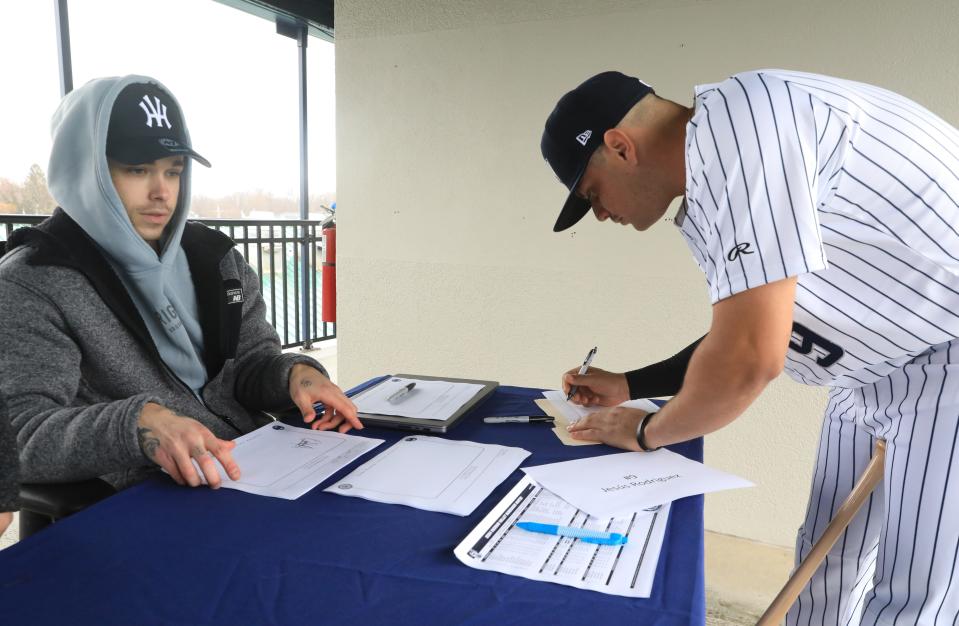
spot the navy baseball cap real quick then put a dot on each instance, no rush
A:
(576, 127)
(146, 124)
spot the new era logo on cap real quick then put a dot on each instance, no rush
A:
(598, 104)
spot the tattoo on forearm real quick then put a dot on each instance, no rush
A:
(148, 443)
(306, 382)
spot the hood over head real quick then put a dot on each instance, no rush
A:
(79, 179)
(78, 172)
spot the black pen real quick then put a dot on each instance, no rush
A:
(582, 370)
(518, 419)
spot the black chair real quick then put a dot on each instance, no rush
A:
(44, 504)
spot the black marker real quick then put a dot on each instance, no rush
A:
(518, 419)
(401, 393)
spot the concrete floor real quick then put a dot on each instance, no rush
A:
(719, 613)
(325, 353)
(742, 577)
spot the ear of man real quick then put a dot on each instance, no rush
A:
(640, 124)
(652, 134)
(619, 145)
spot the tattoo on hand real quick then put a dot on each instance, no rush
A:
(306, 382)
(148, 443)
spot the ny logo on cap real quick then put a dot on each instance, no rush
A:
(155, 112)
(584, 136)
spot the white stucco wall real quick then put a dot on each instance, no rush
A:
(447, 263)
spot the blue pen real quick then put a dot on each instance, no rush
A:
(583, 534)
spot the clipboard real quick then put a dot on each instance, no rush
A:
(425, 425)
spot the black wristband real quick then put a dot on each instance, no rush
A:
(641, 434)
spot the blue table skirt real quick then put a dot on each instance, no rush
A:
(158, 553)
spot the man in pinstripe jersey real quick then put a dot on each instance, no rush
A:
(824, 215)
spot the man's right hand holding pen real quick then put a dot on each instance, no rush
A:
(596, 387)
(600, 388)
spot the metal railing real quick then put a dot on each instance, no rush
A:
(275, 249)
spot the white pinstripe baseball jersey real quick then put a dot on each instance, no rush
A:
(849, 187)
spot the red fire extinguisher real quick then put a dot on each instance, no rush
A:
(329, 275)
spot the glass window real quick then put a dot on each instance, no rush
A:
(321, 103)
(236, 79)
(30, 75)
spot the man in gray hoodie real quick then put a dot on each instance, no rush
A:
(132, 338)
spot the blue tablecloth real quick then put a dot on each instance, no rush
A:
(158, 553)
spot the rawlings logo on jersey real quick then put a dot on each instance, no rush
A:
(738, 249)
(826, 351)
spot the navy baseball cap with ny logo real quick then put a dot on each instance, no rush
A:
(145, 125)
(576, 127)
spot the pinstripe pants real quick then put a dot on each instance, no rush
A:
(896, 562)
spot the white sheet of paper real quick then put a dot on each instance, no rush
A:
(432, 474)
(576, 412)
(628, 570)
(609, 485)
(285, 461)
(429, 399)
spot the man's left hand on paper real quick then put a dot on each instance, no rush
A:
(615, 427)
(308, 386)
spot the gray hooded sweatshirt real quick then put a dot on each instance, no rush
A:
(81, 354)
(161, 286)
